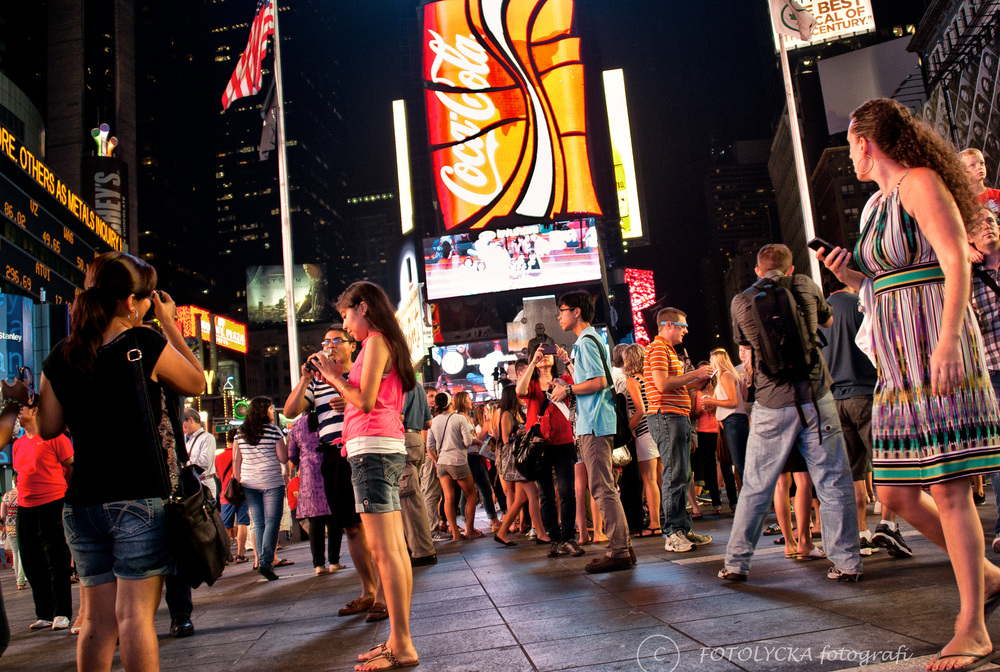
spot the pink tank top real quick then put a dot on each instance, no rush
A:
(384, 419)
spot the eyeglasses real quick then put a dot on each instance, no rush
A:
(334, 341)
(562, 309)
(682, 325)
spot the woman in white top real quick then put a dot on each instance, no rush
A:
(259, 452)
(729, 401)
(448, 442)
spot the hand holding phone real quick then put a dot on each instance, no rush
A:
(818, 243)
(548, 349)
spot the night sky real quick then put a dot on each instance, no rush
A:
(694, 75)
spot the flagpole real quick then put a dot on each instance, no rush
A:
(800, 162)
(283, 200)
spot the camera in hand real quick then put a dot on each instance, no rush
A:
(311, 363)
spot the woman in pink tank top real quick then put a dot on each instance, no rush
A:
(373, 436)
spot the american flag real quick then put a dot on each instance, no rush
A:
(245, 80)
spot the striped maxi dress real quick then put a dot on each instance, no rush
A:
(919, 438)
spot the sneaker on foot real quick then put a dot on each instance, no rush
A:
(554, 550)
(838, 575)
(60, 623)
(40, 624)
(678, 543)
(726, 575)
(571, 548)
(441, 536)
(892, 540)
(698, 539)
(532, 535)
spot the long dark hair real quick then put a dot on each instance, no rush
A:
(913, 144)
(112, 277)
(252, 429)
(382, 318)
(509, 402)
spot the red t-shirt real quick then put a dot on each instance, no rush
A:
(224, 470)
(555, 427)
(40, 473)
(991, 199)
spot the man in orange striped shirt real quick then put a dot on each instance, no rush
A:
(668, 415)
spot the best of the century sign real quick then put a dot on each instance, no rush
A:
(834, 19)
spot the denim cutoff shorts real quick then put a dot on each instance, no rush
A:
(375, 477)
(234, 515)
(118, 540)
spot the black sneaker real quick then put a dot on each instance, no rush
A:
(571, 548)
(892, 541)
(424, 561)
(554, 550)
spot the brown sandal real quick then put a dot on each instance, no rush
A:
(394, 662)
(377, 612)
(356, 606)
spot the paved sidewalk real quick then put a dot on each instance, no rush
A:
(484, 607)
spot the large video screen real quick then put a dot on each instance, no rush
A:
(475, 368)
(522, 257)
(266, 293)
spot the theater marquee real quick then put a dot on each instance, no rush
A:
(505, 110)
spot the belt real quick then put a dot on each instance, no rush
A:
(413, 431)
(921, 274)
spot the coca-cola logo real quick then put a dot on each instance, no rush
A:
(504, 98)
(464, 176)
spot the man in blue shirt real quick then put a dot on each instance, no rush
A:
(595, 424)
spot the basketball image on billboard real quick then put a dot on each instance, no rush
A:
(504, 92)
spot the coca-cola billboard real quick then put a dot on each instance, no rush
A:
(505, 112)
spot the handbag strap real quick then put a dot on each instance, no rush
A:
(604, 361)
(986, 278)
(134, 357)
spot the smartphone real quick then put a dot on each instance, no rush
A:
(817, 243)
(548, 349)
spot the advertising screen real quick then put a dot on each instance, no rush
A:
(475, 368)
(16, 345)
(508, 259)
(266, 293)
(228, 334)
(834, 19)
(504, 93)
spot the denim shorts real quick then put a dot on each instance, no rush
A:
(118, 540)
(375, 477)
(234, 515)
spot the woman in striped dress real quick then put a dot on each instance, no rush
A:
(935, 419)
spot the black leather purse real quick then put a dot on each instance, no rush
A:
(194, 527)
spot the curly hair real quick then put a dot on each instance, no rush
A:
(913, 144)
(252, 429)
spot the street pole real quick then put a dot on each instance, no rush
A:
(800, 162)
(286, 218)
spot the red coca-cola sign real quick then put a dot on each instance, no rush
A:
(505, 111)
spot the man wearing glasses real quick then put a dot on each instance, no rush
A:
(314, 392)
(595, 424)
(668, 415)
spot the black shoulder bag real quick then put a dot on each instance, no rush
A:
(623, 433)
(194, 527)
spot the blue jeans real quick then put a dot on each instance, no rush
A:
(736, 430)
(774, 433)
(266, 507)
(562, 458)
(672, 433)
(482, 481)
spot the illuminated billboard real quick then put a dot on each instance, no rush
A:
(475, 368)
(834, 19)
(504, 92)
(509, 259)
(642, 294)
(266, 293)
(228, 334)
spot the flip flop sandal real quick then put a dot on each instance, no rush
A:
(394, 662)
(814, 554)
(240, 559)
(284, 563)
(365, 657)
(476, 535)
(976, 662)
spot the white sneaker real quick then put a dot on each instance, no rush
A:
(61, 623)
(698, 539)
(40, 624)
(678, 543)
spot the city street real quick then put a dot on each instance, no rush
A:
(484, 607)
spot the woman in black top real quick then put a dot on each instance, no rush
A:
(113, 515)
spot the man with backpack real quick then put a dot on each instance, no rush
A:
(778, 318)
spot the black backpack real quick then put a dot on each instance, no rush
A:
(787, 349)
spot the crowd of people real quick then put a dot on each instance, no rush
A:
(891, 395)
